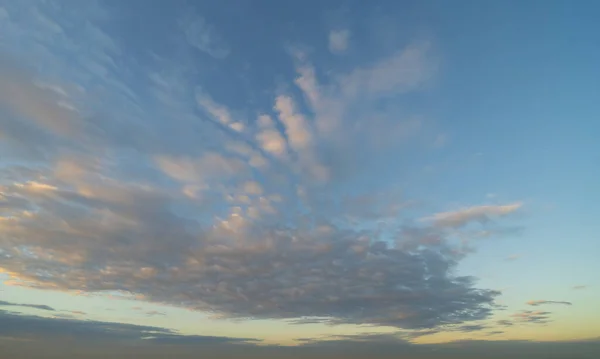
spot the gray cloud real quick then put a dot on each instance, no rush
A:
(529, 316)
(28, 326)
(338, 276)
(41, 328)
(536, 303)
(577, 287)
(471, 328)
(504, 322)
(38, 338)
(35, 306)
(203, 36)
(334, 274)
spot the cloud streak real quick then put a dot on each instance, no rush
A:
(464, 216)
(203, 36)
(536, 303)
(35, 306)
(530, 316)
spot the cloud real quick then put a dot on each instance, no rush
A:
(30, 102)
(338, 40)
(471, 328)
(41, 328)
(296, 128)
(513, 257)
(421, 333)
(261, 221)
(27, 336)
(535, 303)
(219, 112)
(349, 128)
(463, 216)
(270, 139)
(529, 316)
(339, 275)
(35, 306)
(577, 287)
(506, 323)
(153, 313)
(203, 36)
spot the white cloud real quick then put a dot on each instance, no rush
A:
(221, 113)
(269, 138)
(296, 128)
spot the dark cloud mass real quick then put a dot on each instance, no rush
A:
(41, 328)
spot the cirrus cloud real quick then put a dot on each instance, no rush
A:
(464, 216)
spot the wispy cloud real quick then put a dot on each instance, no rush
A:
(338, 40)
(203, 36)
(529, 316)
(471, 328)
(35, 306)
(535, 303)
(153, 313)
(463, 216)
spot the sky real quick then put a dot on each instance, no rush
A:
(274, 179)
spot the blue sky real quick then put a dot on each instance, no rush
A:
(300, 173)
